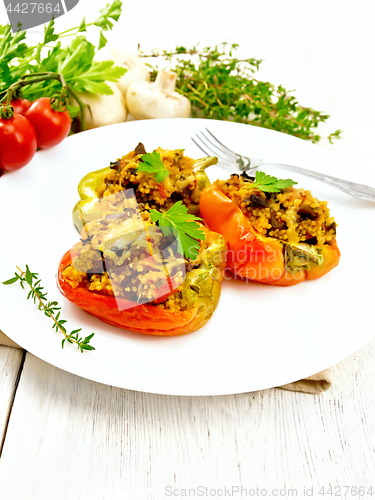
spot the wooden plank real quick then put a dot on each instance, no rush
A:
(84, 440)
(10, 364)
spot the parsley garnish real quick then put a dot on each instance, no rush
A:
(189, 232)
(270, 184)
(152, 164)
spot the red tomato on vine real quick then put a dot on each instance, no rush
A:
(51, 126)
(20, 106)
(17, 142)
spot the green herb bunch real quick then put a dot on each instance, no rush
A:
(74, 61)
(222, 87)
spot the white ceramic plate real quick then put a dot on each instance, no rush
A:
(259, 337)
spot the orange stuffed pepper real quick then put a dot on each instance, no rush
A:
(279, 238)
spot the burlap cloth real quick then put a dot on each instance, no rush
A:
(315, 384)
(4, 340)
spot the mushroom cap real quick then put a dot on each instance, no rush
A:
(146, 101)
(136, 68)
(105, 109)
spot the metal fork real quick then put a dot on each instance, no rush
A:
(234, 162)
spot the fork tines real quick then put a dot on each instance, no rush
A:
(210, 145)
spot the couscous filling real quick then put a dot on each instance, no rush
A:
(180, 184)
(293, 216)
(125, 255)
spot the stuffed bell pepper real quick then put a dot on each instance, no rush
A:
(159, 179)
(275, 233)
(144, 270)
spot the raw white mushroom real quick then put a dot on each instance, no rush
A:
(105, 109)
(157, 100)
(136, 68)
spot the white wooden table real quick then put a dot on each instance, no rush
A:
(63, 437)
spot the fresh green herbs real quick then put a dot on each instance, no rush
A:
(269, 184)
(50, 309)
(74, 61)
(153, 164)
(222, 87)
(108, 13)
(182, 223)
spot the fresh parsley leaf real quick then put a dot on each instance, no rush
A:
(73, 110)
(82, 26)
(270, 184)
(78, 56)
(49, 32)
(10, 50)
(93, 80)
(152, 164)
(189, 232)
(110, 11)
(74, 61)
(102, 41)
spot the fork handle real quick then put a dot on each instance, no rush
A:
(357, 190)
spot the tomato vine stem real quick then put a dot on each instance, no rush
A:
(7, 110)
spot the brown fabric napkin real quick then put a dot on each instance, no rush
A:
(4, 340)
(315, 384)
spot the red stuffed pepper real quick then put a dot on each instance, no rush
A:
(109, 276)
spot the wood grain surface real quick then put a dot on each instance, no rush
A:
(86, 440)
(10, 365)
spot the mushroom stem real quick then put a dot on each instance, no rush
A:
(166, 80)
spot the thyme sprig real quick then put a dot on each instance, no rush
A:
(50, 308)
(223, 87)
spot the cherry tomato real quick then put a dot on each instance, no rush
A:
(20, 106)
(17, 142)
(51, 126)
